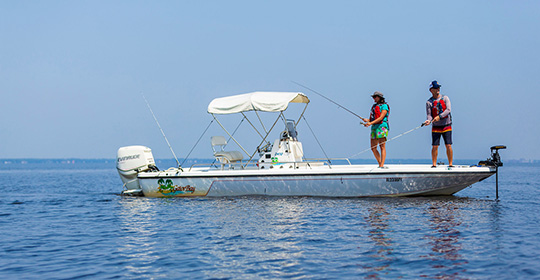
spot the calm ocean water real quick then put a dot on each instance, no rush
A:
(67, 221)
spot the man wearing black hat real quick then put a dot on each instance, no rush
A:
(438, 114)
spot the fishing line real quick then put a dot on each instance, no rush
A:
(404, 133)
(162, 133)
(340, 106)
(197, 142)
(327, 158)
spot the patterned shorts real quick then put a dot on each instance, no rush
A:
(379, 132)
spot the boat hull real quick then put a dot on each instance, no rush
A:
(347, 182)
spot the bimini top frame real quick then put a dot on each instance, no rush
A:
(256, 101)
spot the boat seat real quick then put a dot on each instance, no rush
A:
(231, 156)
(220, 154)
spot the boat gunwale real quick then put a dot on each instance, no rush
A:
(317, 173)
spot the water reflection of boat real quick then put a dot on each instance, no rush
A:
(281, 168)
(378, 233)
(445, 239)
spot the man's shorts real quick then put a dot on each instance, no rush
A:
(378, 132)
(444, 131)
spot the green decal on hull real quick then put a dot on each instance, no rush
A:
(167, 188)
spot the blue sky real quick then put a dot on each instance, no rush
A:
(72, 72)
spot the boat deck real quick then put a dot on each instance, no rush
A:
(313, 169)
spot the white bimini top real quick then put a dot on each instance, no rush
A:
(265, 101)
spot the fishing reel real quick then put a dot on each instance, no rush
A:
(495, 159)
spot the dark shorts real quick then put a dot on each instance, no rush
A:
(436, 134)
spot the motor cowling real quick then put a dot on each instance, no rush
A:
(130, 161)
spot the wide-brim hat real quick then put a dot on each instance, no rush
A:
(379, 94)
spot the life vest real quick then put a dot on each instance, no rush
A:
(376, 113)
(437, 107)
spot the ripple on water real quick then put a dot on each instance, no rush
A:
(73, 225)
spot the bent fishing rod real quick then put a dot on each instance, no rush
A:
(162, 133)
(402, 134)
(340, 106)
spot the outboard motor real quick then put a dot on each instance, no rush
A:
(130, 161)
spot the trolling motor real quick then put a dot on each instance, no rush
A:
(494, 161)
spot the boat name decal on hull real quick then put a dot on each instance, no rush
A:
(166, 187)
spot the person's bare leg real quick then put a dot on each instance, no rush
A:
(450, 154)
(382, 144)
(434, 154)
(374, 143)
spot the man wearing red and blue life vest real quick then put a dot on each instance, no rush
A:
(438, 113)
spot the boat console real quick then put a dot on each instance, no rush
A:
(285, 152)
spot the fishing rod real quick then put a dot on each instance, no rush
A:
(162, 133)
(402, 134)
(340, 106)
